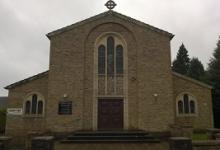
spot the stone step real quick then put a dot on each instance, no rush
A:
(108, 137)
(110, 133)
(111, 141)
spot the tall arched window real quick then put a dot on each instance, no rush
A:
(101, 59)
(192, 107)
(180, 106)
(186, 105)
(34, 105)
(27, 107)
(110, 51)
(110, 55)
(119, 59)
(40, 107)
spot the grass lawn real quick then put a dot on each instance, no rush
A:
(199, 136)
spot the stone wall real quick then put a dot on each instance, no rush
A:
(202, 93)
(206, 145)
(149, 72)
(113, 146)
(18, 126)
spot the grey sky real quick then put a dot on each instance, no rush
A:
(24, 48)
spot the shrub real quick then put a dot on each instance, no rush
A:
(2, 120)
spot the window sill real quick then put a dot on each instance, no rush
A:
(187, 115)
(33, 116)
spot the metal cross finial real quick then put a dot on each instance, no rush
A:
(110, 4)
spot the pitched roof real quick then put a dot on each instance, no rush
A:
(107, 13)
(37, 76)
(3, 102)
(192, 80)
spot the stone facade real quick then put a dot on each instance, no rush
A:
(203, 118)
(20, 126)
(150, 87)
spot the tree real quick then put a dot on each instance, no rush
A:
(2, 120)
(181, 63)
(196, 69)
(214, 80)
(214, 69)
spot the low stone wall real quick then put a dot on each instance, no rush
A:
(206, 145)
(5, 143)
(112, 146)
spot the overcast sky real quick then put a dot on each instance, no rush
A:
(24, 48)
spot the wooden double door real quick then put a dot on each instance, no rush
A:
(110, 114)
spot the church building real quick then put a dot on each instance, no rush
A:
(109, 72)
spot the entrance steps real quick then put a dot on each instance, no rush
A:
(110, 137)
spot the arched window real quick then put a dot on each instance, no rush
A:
(111, 58)
(34, 105)
(101, 59)
(180, 107)
(40, 107)
(192, 107)
(27, 107)
(119, 59)
(114, 62)
(186, 105)
(110, 55)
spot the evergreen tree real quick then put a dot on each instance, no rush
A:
(214, 80)
(214, 69)
(196, 69)
(181, 63)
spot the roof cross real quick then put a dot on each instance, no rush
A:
(110, 4)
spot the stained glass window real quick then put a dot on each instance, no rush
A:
(101, 59)
(180, 107)
(40, 107)
(27, 107)
(192, 107)
(119, 59)
(110, 55)
(34, 104)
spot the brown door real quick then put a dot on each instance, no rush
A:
(110, 114)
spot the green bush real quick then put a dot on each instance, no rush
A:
(200, 136)
(2, 120)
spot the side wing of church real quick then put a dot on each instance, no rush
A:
(108, 72)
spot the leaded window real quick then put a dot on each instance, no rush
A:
(110, 62)
(110, 55)
(34, 105)
(101, 59)
(192, 107)
(186, 105)
(119, 59)
(180, 106)
(40, 107)
(27, 107)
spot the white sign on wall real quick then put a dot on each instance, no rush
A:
(14, 111)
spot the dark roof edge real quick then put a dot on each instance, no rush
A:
(37, 76)
(61, 30)
(192, 80)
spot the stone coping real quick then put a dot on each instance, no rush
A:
(213, 130)
(179, 138)
(206, 143)
(5, 138)
(46, 138)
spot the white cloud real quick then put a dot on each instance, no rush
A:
(24, 49)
